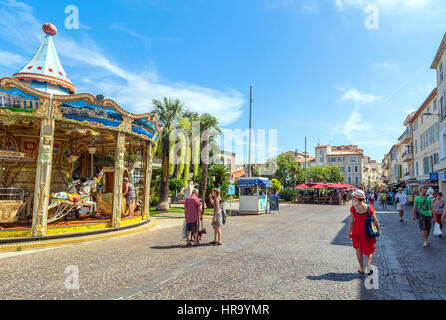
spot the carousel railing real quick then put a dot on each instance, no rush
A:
(12, 203)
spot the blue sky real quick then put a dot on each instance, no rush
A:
(315, 68)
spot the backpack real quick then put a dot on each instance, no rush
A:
(223, 213)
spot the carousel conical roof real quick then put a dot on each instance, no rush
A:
(45, 66)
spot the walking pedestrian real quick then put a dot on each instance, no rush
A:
(383, 197)
(344, 198)
(217, 220)
(390, 197)
(401, 200)
(423, 210)
(192, 212)
(372, 199)
(437, 210)
(357, 233)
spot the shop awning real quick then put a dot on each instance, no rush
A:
(254, 182)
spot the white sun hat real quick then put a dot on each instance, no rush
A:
(359, 194)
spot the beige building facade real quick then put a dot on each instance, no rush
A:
(354, 165)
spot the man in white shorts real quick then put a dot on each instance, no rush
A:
(401, 200)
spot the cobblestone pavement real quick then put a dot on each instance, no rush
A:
(302, 253)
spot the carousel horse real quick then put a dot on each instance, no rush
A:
(65, 202)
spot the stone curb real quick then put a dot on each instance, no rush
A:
(66, 241)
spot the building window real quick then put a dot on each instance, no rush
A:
(332, 160)
(321, 160)
(436, 158)
(426, 165)
(416, 146)
(442, 109)
(416, 168)
(428, 109)
(437, 131)
(444, 144)
(356, 169)
(341, 159)
(349, 179)
(321, 152)
(435, 104)
(356, 180)
(352, 159)
(441, 72)
(415, 126)
(342, 169)
(349, 169)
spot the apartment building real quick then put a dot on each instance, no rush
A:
(438, 65)
(392, 167)
(309, 161)
(349, 158)
(375, 175)
(426, 142)
(407, 148)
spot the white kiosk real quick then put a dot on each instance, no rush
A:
(253, 194)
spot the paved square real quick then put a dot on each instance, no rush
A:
(302, 253)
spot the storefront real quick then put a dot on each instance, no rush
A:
(253, 195)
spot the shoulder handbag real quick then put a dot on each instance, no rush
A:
(418, 209)
(371, 228)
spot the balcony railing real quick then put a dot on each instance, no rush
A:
(407, 136)
(408, 156)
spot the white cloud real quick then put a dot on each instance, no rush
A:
(134, 91)
(11, 59)
(359, 97)
(386, 5)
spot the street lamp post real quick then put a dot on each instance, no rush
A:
(295, 173)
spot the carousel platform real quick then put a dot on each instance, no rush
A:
(21, 232)
(29, 243)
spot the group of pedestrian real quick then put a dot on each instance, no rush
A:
(425, 209)
(194, 217)
(428, 208)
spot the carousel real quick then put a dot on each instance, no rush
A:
(67, 160)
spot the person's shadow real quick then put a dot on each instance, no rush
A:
(338, 277)
(178, 246)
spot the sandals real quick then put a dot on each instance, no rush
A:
(189, 244)
(212, 243)
(359, 270)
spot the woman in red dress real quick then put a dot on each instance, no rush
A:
(362, 244)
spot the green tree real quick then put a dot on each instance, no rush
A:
(287, 167)
(316, 174)
(220, 173)
(175, 185)
(276, 185)
(208, 127)
(333, 174)
(167, 114)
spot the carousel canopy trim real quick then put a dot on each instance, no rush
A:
(7, 155)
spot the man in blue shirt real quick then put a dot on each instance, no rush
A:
(391, 195)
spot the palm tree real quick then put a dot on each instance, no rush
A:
(208, 123)
(167, 113)
(220, 173)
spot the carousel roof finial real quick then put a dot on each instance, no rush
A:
(45, 72)
(50, 29)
